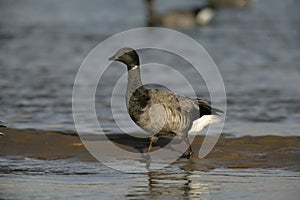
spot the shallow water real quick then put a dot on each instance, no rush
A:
(36, 179)
(44, 43)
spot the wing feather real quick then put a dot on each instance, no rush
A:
(180, 110)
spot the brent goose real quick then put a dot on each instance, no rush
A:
(184, 18)
(161, 112)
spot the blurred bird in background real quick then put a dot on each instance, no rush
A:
(190, 17)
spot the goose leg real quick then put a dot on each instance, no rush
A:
(152, 140)
(190, 152)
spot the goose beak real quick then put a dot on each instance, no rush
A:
(113, 58)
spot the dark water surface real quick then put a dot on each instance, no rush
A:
(42, 44)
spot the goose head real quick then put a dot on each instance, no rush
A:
(127, 56)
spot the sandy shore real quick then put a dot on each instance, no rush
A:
(243, 152)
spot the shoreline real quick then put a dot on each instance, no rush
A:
(243, 152)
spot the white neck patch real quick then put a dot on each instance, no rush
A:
(135, 67)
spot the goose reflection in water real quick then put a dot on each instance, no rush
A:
(167, 185)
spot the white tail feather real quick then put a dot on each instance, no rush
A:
(203, 121)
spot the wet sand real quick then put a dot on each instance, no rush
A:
(230, 152)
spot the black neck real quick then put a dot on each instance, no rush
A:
(134, 81)
(133, 65)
